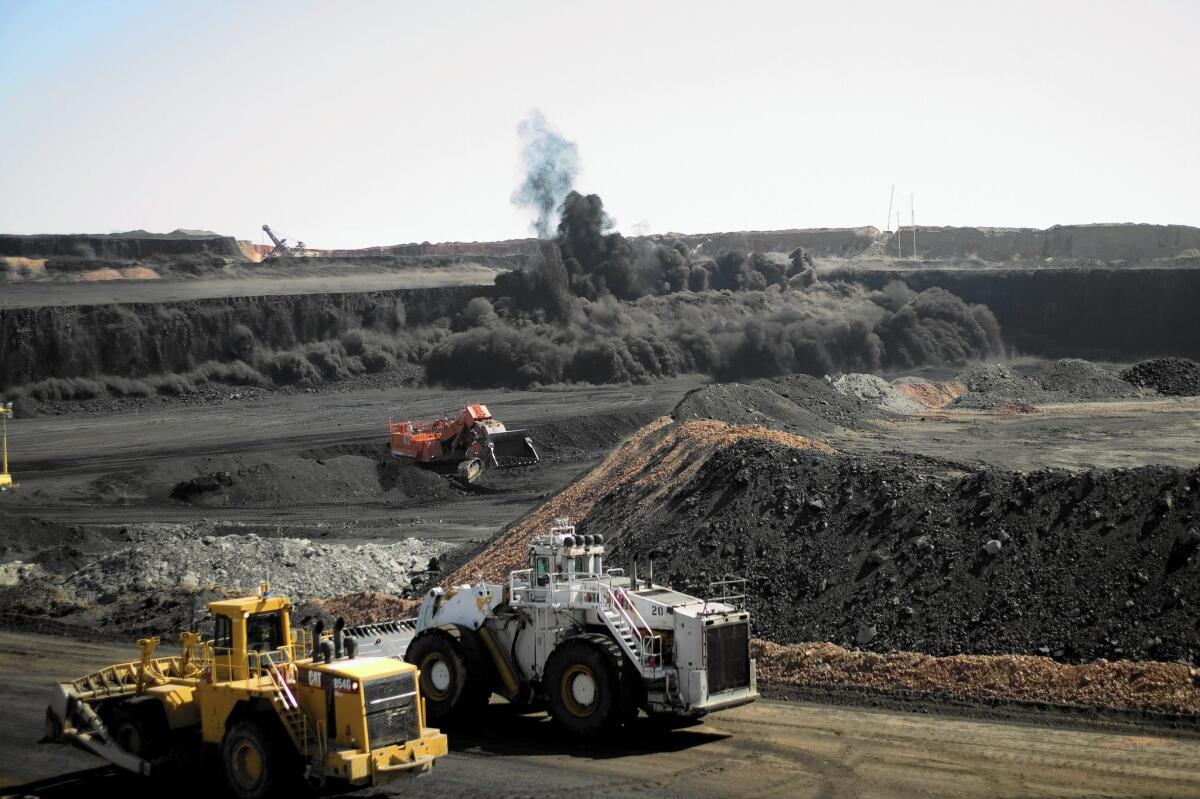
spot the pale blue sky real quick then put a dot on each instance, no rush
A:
(354, 123)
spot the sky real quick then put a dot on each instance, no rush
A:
(351, 124)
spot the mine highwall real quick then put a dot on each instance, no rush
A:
(139, 339)
(1118, 314)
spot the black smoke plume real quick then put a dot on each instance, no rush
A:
(551, 163)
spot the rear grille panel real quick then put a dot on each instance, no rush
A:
(728, 652)
(391, 705)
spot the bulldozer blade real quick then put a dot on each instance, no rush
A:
(511, 448)
(387, 639)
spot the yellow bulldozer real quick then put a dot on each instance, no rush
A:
(274, 703)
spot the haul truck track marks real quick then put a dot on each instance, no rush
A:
(272, 702)
(597, 645)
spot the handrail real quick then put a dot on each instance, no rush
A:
(729, 585)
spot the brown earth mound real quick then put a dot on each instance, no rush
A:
(931, 394)
(1161, 687)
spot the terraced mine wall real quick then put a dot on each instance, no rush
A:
(1097, 242)
(1097, 313)
(819, 242)
(119, 247)
(136, 340)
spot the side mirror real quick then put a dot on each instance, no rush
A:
(543, 579)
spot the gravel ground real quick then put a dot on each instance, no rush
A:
(182, 556)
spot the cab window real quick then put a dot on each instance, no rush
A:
(223, 633)
(264, 632)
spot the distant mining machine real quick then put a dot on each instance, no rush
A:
(467, 445)
(281, 245)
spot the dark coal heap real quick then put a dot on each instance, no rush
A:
(601, 308)
(1172, 376)
(887, 554)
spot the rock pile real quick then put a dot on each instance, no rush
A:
(797, 403)
(1171, 376)
(878, 392)
(1066, 380)
(1072, 379)
(158, 558)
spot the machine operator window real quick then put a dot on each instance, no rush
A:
(264, 632)
(541, 568)
(223, 633)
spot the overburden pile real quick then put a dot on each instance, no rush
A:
(885, 554)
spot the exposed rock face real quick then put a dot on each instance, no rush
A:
(117, 246)
(1118, 314)
(265, 332)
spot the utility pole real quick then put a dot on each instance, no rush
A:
(6, 481)
(899, 240)
(913, 210)
(888, 222)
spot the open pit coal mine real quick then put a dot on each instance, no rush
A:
(872, 550)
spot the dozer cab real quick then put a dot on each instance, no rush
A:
(273, 703)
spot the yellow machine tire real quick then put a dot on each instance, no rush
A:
(583, 686)
(254, 760)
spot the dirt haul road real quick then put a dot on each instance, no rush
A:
(765, 749)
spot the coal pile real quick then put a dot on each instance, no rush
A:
(1177, 377)
(887, 554)
(796, 403)
(1077, 379)
(335, 479)
(1065, 380)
